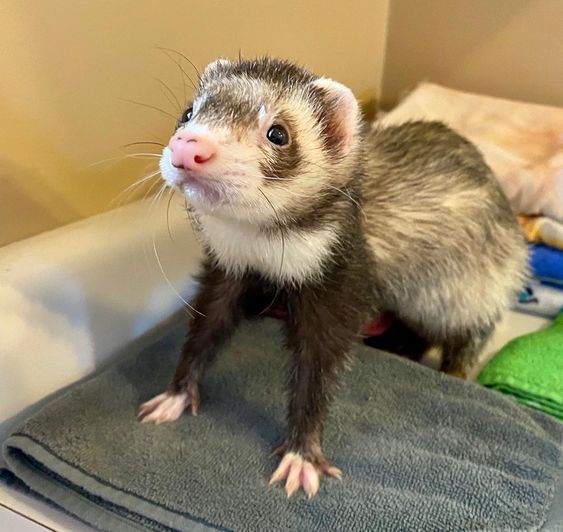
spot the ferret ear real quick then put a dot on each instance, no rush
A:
(218, 66)
(220, 63)
(340, 114)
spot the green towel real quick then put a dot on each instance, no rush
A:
(530, 368)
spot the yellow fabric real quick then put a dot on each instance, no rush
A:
(542, 229)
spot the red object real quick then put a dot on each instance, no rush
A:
(379, 324)
(276, 312)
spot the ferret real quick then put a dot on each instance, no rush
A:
(298, 204)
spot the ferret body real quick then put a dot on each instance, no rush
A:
(297, 205)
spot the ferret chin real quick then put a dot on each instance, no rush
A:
(296, 207)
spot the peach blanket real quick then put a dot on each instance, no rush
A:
(521, 142)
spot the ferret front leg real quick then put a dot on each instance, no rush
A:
(218, 311)
(320, 338)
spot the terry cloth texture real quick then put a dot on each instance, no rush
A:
(419, 450)
(531, 369)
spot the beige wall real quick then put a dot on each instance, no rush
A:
(65, 64)
(507, 48)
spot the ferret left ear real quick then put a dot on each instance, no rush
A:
(340, 114)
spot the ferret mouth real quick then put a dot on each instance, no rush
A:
(204, 189)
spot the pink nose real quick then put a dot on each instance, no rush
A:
(190, 151)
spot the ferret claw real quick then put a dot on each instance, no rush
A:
(168, 407)
(302, 473)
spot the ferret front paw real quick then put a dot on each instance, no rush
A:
(169, 406)
(302, 473)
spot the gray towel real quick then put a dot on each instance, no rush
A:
(419, 450)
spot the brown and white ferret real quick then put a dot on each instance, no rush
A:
(297, 204)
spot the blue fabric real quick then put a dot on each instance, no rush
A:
(546, 264)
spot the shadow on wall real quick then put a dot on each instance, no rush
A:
(67, 66)
(504, 49)
(23, 214)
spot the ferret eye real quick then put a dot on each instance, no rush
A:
(278, 135)
(187, 116)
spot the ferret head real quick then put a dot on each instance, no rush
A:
(262, 140)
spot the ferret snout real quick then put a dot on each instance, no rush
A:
(189, 151)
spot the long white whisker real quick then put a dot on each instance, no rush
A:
(141, 181)
(124, 196)
(157, 197)
(168, 280)
(326, 184)
(283, 245)
(170, 196)
(349, 197)
(293, 193)
(150, 190)
(155, 200)
(128, 156)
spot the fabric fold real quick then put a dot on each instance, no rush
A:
(542, 230)
(530, 368)
(419, 450)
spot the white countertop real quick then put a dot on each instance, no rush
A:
(72, 297)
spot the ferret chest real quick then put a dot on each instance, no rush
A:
(293, 256)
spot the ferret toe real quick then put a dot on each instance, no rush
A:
(164, 408)
(301, 473)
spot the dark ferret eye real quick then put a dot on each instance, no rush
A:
(187, 116)
(278, 135)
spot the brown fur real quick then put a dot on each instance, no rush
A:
(421, 228)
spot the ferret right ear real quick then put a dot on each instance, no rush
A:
(219, 63)
(340, 114)
(218, 66)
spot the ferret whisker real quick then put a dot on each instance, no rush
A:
(173, 288)
(179, 65)
(185, 57)
(282, 234)
(142, 180)
(170, 196)
(160, 265)
(155, 199)
(140, 142)
(149, 191)
(126, 156)
(271, 178)
(131, 188)
(322, 168)
(149, 213)
(167, 91)
(291, 192)
(143, 154)
(170, 101)
(149, 106)
(350, 198)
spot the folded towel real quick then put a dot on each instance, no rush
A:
(419, 450)
(546, 264)
(521, 142)
(530, 368)
(540, 300)
(542, 230)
